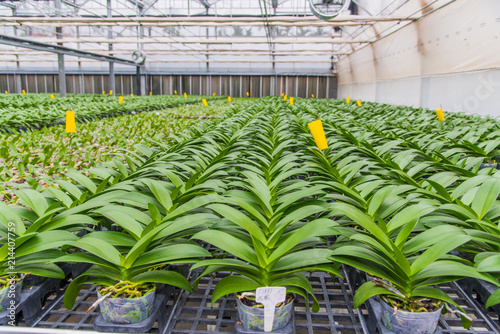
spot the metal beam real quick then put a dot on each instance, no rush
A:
(245, 52)
(212, 40)
(40, 46)
(202, 20)
(5, 4)
(183, 60)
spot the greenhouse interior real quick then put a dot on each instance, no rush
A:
(259, 166)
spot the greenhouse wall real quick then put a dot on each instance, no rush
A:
(448, 59)
(233, 85)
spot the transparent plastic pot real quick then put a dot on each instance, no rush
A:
(127, 310)
(403, 322)
(253, 317)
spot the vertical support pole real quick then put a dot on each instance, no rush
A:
(317, 87)
(143, 83)
(60, 57)
(261, 93)
(327, 87)
(62, 74)
(138, 80)
(17, 78)
(112, 83)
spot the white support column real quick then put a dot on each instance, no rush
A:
(317, 87)
(327, 87)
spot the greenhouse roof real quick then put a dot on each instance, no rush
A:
(200, 36)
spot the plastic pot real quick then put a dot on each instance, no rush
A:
(403, 322)
(127, 310)
(253, 317)
(15, 295)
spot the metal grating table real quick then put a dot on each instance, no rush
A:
(192, 313)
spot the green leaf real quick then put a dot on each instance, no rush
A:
(161, 193)
(229, 243)
(239, 219)
(34, 200)
(41, 269)
(83, 180)
(233, 284)
(315, 228)
(493, 299)
(485, 197)
(171, 253)
(43, 241)
(163, 276)
(362, 219)
(73, 289)
(368, 290)
(437, 250)
(121, 216)
(409, 214)
(99, 248)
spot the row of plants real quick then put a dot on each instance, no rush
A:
(27, 158)
(19, 112)
(256, 187)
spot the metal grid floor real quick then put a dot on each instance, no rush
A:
(57, 316)
(192, 313)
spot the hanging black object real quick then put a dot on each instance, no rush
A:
(328, 9)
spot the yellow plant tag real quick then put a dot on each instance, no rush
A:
(204, 102)
(440, 114)
(6, 92)
(185, 95)
(229, 98)
(150, 93)
(348, 100)
(52, 96)
(318, 133)
(120, 100)
(282, 94)
(70, 121)
(132, 95)
(103, 93)
(248, 94)
(312, 95)
(358, 102)
(111, 92)
(285, 97)
(213, 94)
(291, 101)
(175, 92)
(24, 92)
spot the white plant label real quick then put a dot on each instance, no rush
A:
(269, 297)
